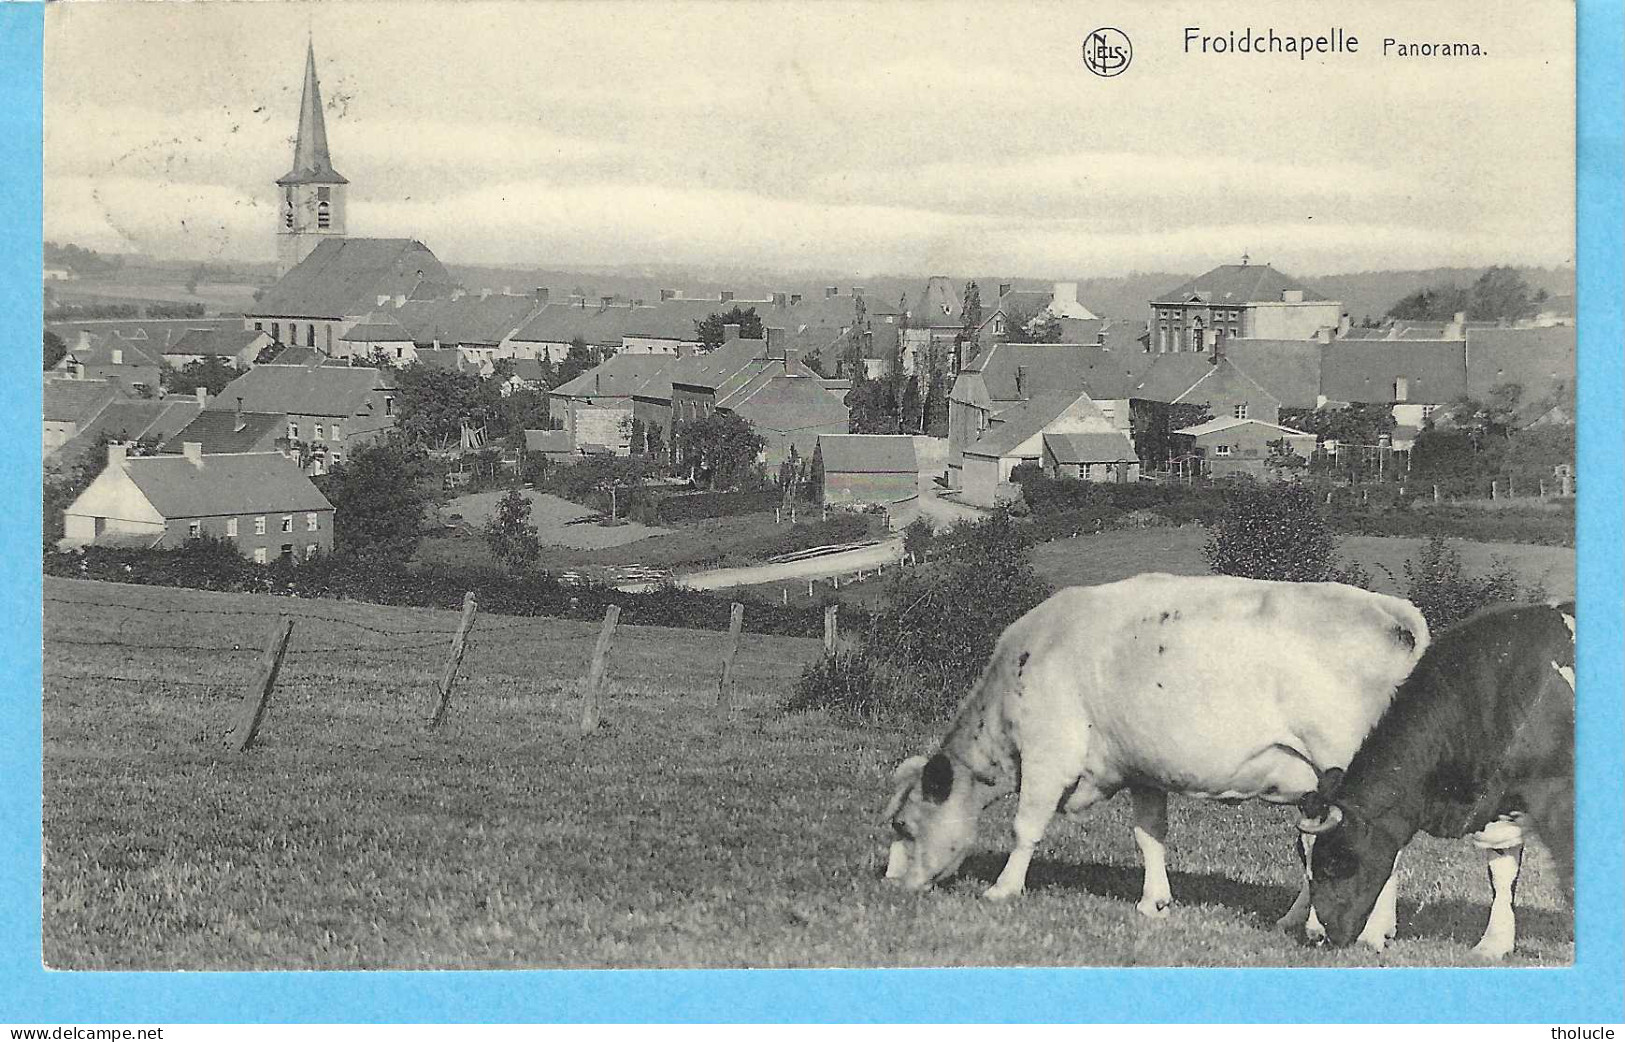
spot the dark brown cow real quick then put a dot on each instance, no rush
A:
(1478, 742)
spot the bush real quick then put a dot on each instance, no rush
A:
(922, 651)
(699, 506)
(1439, 586)
(1275, 531)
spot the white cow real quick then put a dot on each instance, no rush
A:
(1214, 686)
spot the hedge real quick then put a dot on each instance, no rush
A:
(206, 567)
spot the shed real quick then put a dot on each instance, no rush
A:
(861, 469)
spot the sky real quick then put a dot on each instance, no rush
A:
(863, 139)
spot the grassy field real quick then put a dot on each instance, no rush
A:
(350, 838)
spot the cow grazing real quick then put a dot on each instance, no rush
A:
(1214, 686)
(1479, 742)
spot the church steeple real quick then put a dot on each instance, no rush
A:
(312, 193)
(311, 162)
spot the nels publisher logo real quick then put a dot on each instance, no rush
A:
(1107, 52)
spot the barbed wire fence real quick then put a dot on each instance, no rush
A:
(325, 635)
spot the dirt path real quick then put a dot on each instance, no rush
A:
(884, 553)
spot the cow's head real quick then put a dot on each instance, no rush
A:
(933, 819)
(1352, 858)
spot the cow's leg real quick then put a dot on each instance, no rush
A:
(1383, 923)
(1501, 932)
(1150, 835)
(1041, 794)
(1301, 916)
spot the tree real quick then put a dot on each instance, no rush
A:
(209, 373)
(934, 407)
(55, 349)
(721, 446)
(510, 535)
(970, 314)
(269, 352)
(1500, 293)
(431, 405)
(1275, 531)
(1433, 304)
(576, 361)
(709, 330)
(378, 498)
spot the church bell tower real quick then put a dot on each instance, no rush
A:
(310, 197)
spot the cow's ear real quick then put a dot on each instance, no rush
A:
(938, 779)
(1331, 782)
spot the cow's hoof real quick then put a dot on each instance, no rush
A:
(1376, 945)
(1154, 908)
(1494, 950)
(1314, 933)
(997, 894)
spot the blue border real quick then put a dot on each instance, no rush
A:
(1590, 991)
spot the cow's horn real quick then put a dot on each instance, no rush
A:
(1314, 826)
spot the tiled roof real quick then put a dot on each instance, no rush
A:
(787, 403)
(528, 369)
(868, 453)
(620, 377)
(345, 277)
(1541, 360)
(76, 401)
(249, 483)
(306, 357)
(1238, 284)
(224, 342)
(1091, 448)
(937, 305)
(547, 441)
(1171, 375)
(470, 319)
(379, 327)
(1288, 369)
(1020, 422)
(220, 430)
(152, 334)
(1365, 370)
(561, 323)
(308, 391)
(131, 421)
(98, 351)
(1057, 367)
(441, 358)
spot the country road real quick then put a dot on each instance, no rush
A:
(884, 553)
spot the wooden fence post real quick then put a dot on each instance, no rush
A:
(725, 686)
(459, 642)
(832, 627)
(595, 673)
(252, 711)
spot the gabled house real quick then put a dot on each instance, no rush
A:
(130, 420)
(330, 410)
(1539, 360)
(70, 406)
(235, 347)
(597, 407)
(935, 320)
(135, 366)
(379, 332)
(788, 410)
(1230, 446)
(480, 325)
(258, 501)
(1017, 436)
(1091, 457)
(221, 432)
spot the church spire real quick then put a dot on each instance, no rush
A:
(311, 163)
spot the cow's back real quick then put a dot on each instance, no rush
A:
(1201, 683)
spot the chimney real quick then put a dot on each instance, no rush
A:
(202, 395)
(1343, 324)
(193, 451)
(116, 454)
(775, 342)
(606, 301)
(668, 294)
(541, 295)
(507, 291)
(1323, 335)
(78, 370)
(1004, 289)
(578, 299)
(118, 356)
(730, 331)
(459, 293)
(400, 300)
(485, 293)
(597, 383)
(726, 295)
(383, 298)
(781, 299)
(84, 339)
(831, 291)
(1457, 328)
(1021, 379)
(857, 291)
(239, 415)
(795, 298)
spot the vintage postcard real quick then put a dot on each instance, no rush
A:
(713, 485)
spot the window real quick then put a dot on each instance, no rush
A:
(231, 527)
(1402, 388)
(1427, 412)
(276, 331)
(194, 529)
(310, 551)
(287, 522)
(310, 522)
(310, 334)
(293, 431)
(259, 525)
(389, 406)
(1221, 450)
(259, 555)
(399, 353)
(324, 215)
(335, 437)
(259, 327)
(287, 552)
(1240, 411)
(318, 432)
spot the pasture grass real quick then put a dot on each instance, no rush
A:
(350, 838)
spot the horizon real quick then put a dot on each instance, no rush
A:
(767, 143)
